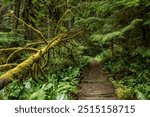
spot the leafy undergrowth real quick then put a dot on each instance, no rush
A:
(57, 86)
(130, 74)
(10, 39)
(59, 82)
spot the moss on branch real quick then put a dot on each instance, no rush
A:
(20, 70)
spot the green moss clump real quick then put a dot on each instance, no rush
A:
(125, 93)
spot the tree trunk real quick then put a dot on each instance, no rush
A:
(3, 11)
(146, 35)
(22, 69)
(17, 4)
(26, 14)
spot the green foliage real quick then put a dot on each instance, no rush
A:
(115, 32)
(117, 26)
(143, 91)
(6, 1)
(104, 55)
(125, 93)
(130, 4)
(59, 86)
(10, 39)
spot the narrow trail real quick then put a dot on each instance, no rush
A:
(95, 84)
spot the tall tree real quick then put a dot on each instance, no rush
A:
(26, 14)
(17, 4)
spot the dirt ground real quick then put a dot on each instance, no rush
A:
(95, 84)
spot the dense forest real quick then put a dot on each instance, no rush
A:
(45, 45)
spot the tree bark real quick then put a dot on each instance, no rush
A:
(26, 14)
(22, 69)
(146, 35)
(17, 4)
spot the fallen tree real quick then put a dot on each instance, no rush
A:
(23, 68)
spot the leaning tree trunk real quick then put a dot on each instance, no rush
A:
(23, 68)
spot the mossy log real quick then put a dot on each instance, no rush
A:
(23, 68)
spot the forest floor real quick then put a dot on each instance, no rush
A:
(95, 84)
